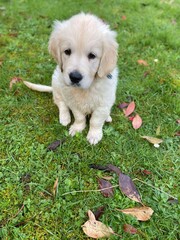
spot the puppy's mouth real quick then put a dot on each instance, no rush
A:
(76, 85)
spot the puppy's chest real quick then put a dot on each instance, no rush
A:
(84, 101)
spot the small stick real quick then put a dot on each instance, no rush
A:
(136, 179)
(84, 191)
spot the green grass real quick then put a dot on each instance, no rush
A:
(29, 123)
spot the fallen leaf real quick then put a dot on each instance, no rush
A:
(55, 187)
(96, 229)
(129, 229)
(153, 140)
(130, 108)
(158, 130)
(128, 188)
(14, 80)
(99, 167)
(146, 172)
(55, 144)
(142, 62)
(123, 17)
(123, 105)
(108, 192)
(107, 177)
(141, 213)
(137, 122)
(146, 74)
(177, 134)
(173, 201)
(114, 169)
(131, 118)
(99, 212)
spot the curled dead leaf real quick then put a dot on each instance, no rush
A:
(54, 145)
(14, 80)
(141, 213)
(137, 122)
(96, 229)
(55, 187)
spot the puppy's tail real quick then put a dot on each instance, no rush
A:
(38, 87)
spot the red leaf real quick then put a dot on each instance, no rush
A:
(131, 118)
(146, 172)
(129, 229)
(142, 62)
(130, 108)
(137, 122)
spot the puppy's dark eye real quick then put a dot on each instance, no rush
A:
(67, 52)
(91, 56)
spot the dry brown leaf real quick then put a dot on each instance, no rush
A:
(129, 229)
(14, 80)
(105, 187)
(141, 213)
(128, 188)
(130, 109)
(142, 62)
(96, 229)
(55, 187)
(153, 140)
(99, 212)
(137, 122)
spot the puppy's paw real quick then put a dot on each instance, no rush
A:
(94, 136)
(76, 128)
(109, 119)
(65, 119)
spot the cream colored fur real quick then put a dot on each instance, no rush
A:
(81, 35)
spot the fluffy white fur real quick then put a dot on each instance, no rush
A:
(84, 44)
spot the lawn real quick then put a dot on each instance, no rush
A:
(29, 207)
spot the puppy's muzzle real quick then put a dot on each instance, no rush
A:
(75, 77)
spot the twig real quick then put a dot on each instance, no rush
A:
(84, 191)
(16, 213)
(136, 179)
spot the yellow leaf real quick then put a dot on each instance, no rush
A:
(141, 213)
(153, 140)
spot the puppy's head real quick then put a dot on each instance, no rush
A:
(84, 48)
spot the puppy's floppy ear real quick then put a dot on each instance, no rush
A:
(55, 41)
(110, 53)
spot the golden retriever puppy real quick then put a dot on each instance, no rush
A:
(85, 79)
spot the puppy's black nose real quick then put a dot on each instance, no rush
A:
(75, 77)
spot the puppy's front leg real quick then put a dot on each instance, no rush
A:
(79, 123)
(98, 117)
